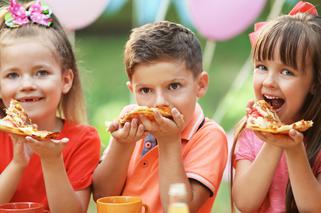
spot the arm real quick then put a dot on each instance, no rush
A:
(171, 170)
(9, 180)
(257, 174)
(305, 186)
(10, 177)
(110, 175)
(61, 195)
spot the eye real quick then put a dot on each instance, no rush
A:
(145, 90)
(12, 75)
(260, 67)
(287, 72)
(174, 86)
(42, 73)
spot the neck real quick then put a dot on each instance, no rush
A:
(54, 124)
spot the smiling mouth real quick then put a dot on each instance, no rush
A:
(27, 100)
(274, 101)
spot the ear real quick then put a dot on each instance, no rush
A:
(202, 84)
(67, 80)
(130, 86)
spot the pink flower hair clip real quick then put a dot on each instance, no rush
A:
(17, 15)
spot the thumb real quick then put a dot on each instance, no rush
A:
(296, 135)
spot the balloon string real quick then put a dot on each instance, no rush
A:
(208, 54)
(243, 73)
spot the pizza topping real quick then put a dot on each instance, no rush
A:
(262, 117)
(18, 122)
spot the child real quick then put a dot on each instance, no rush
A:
(164, 65)
(38, 69)
(284, 171)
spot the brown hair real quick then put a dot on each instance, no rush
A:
(62, 49)
(296, 39)
(163, 41)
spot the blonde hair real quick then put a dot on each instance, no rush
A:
(62, 49)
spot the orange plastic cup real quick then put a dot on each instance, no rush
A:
(116, 204)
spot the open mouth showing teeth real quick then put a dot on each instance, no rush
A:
(275, 102)
(29, 99)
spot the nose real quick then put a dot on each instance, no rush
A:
(27, 83)
(160, 99)
(270, 80)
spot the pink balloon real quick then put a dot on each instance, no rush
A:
(77, 14)
(223, 19)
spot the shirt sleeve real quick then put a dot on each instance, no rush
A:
(207, 156)
(247, 146)
(83, 158)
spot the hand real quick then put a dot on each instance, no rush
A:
(21, 151)
(284, 141)
(129, 133)
(48, 149)
(164, 128)
(249, 106)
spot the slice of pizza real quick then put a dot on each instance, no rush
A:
(18, 122)
(147, 112)
(262, 117)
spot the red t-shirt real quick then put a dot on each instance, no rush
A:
(81, 156)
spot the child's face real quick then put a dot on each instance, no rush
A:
(169, 83)
(30, 73)
(283, 87)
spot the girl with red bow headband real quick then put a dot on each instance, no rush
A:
(282, 172)
(38, 69)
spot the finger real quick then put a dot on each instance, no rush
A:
(133, 128)
(178, 117)
(146, 123)
(113, 126)
(250, 103)
(31, 139)
(296, 135)
(122, 132)
(140, 131)
(63, 140)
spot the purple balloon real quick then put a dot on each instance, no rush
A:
(77, 14)
(223, 19)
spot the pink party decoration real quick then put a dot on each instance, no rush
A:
(77, 14)
(223, 19)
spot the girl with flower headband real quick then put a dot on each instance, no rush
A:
(282, 173)
(38, 69)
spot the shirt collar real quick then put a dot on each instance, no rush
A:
(194, 123)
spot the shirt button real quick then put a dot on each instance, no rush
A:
(148, 145)
(145, 164)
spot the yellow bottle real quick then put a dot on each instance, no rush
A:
(177, 198)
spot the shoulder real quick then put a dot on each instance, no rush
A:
(80, 133)
(209, 138)
(211, 131)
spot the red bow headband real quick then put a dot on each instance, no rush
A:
(300, 7)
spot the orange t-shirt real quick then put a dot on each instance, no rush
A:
(81, 156)
(204, 153)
